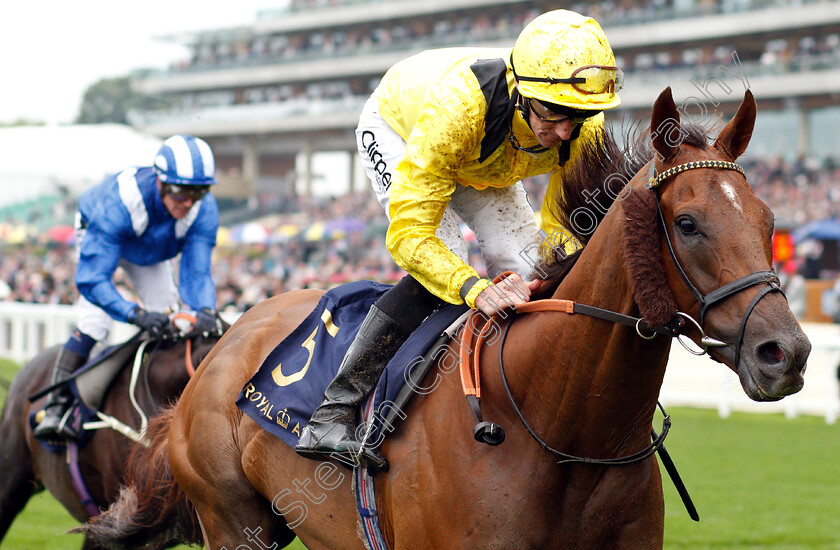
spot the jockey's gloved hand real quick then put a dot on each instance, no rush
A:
(206, 322)
(155, 323)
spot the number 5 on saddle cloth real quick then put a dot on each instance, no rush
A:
(290, 383)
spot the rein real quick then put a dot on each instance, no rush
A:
(493, 434)
(191, 319)
(654, 446)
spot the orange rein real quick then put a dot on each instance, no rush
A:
(493, 434)
(473, 340)
(188, 354)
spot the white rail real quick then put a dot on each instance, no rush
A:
(700, 382)
(26, 329)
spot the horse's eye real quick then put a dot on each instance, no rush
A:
(687, 226)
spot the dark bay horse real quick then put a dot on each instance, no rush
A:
(26, 467)
(696, 241)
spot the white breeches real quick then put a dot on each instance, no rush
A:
(501, 218)
(153, 284)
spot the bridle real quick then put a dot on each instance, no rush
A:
(716, 296)
(493, 434)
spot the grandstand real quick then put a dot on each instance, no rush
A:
(292, 83)
(270, 95)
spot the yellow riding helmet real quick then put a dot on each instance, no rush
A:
(563, 57)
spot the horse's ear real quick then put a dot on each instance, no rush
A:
(735, 136)
(665, 128)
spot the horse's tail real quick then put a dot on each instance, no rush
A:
(151, 509)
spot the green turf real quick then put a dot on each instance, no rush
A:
(758, 481)
(42, 525)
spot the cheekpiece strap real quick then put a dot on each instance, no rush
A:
(719, 164)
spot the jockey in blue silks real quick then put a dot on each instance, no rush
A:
(139, 219)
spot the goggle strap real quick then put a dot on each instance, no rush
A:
(549, 80)
(575, 80)
(534, 149)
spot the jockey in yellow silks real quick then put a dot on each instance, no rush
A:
(450, 134)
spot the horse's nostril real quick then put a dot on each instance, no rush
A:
(771, 353)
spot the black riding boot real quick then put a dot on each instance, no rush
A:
(54, 424)
(333, 424)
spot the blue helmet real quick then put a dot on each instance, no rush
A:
(185, 160)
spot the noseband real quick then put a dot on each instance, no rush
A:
(718, 295)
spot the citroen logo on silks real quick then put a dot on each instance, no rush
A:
(309, 344)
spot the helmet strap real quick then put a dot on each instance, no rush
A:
(523, 107)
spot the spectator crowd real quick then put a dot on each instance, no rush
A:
(215, 50)
(246, 274)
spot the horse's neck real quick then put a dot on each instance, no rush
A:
(598, 278)
(602, 370)
(168, 370)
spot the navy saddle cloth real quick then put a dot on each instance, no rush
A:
(290, 383)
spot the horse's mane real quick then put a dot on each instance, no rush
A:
(592, 182)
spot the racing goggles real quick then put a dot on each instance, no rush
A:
(549, 112)
(589, 79)
(183, 193)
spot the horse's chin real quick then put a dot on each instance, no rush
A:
(770, 366)
(753, 390)
(762, 381)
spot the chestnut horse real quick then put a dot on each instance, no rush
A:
(587, 387)
(26, 467)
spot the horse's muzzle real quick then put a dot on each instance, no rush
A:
(774, 368)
